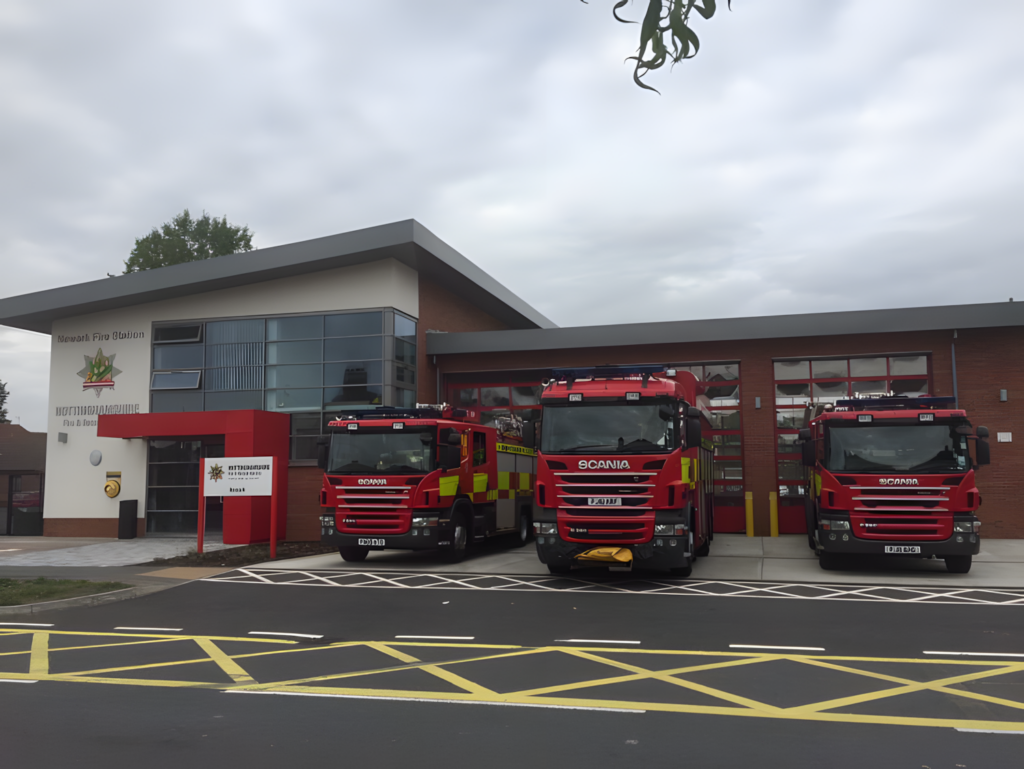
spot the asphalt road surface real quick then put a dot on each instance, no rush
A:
(212, 673)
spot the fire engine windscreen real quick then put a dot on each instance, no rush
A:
(370, 450)
(879, 448)
(633, 428)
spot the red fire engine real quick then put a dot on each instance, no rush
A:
(623, 475)
(893, 476)
(423, 478)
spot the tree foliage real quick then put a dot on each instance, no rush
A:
(185, 239)
(3, 404)
(665, 33)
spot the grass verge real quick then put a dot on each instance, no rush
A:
(246, 555)
(17, 592)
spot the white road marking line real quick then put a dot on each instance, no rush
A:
(975, 654)
(440, 637)
(783, 648)
(591, 641)
(443, 702)
(17, 681)
(293, 635)
(158, 629)
(988, 731)
(11, 550)
(26, 624)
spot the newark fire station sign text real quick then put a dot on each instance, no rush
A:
(238, 477)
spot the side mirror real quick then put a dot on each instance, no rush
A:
(808, 453)
(982, 452)
(454, 438)
(982, 432)
(426, 438)
(693, 432)
(665, 412)
(804, 434)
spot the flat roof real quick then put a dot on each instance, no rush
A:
(992, 315)
(407, 241)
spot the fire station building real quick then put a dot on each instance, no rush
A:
(391, 315)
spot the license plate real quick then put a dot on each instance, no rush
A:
(903, 549)
(604, 501)
(371, 542)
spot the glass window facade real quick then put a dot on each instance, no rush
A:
(800, 384)
(308, 366)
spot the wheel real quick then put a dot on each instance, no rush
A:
(523, 535)
(682, 571)
(354, 554)
(829, 561)
(559, 568)
(811, 520)
(456, 550)
(958, 564)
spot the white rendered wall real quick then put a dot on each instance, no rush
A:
(74, 487)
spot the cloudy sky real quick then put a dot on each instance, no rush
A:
(848, 154)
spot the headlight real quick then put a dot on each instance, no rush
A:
(971, 527)
(545, 528)
(669, 529)
(835, 525)
(421, 521)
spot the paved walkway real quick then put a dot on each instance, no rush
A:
(733, 557)
(78, 552)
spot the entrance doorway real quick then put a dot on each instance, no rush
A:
(172, 495)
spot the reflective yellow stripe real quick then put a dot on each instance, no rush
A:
(525, 481)
(492, 495)
(508, 448)
(817, 484)
(686, 470)
(479, 482)
(504, 480)
(448, 485)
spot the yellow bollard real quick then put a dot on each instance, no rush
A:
(749, 498)
(773, 510)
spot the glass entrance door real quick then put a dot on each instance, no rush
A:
(172, 498)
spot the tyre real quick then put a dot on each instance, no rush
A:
(353, 554)
(455, 551)
(958, 564)
(523, 535)
(829, 561)
(559, 568)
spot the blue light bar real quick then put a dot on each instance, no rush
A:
(883, 404)
(607, 372)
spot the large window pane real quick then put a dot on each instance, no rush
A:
(235, 331)
(792, 394)
(792, 369)
(830, 391)
(405, 398)
(722, 373)
(876, 386)
(725, 420)
(174, 498)
(726, 395)
(293, 400)
(347, 396)
(294, 352)
(237, 378)
(912, 388)
(305, 424)
(466, 397)
(178, 356)
(526, 396)
(177, 400)
(354, 348)
(791, 419)
(241, 354)
(792, 470)
(727, 445)
(355, 373)
(354, 324)
(176, 380)
(303, 327)
(303, 448)
(174, 474)
(405, 375)
(829, 369)
(234, 401)
(405, 328)
(405, 352)
(728, 470)
(908, 364)
(867, 367)
(788, 444)
(294, 376)
(494, 396)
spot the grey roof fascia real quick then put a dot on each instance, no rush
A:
(965, 316)
(408, 242)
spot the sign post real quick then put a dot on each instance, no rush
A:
(239, 477)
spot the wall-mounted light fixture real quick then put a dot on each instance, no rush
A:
(757, 402)
(1002, 395)
(62, 437)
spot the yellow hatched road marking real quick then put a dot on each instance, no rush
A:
(403, 654)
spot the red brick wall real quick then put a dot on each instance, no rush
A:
(304, 484)
(441, 310)
(985, 364)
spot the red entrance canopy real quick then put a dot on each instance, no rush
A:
(246, 433)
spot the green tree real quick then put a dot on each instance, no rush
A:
(185, 239)
(3, 404)
(665, 33)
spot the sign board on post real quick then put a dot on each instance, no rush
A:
(238, 477)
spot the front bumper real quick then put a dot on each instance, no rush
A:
(419, 538)
(833, 542)
(671, 553)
